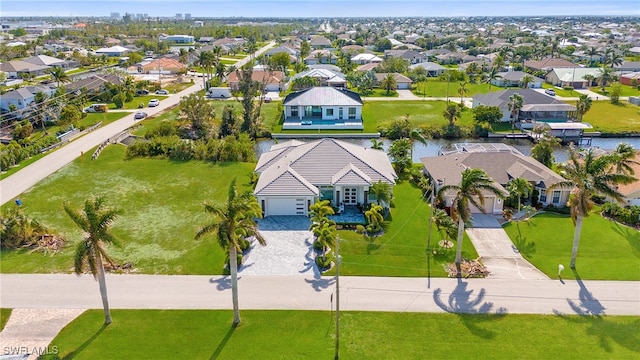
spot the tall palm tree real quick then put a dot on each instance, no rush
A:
(519, 187)
(583, 105)
(526, 80)
(322, 227)
(492, 75)
(605, 76)
(233, 222)
(588, 176)
(516, 101)
(94, 221)
(592, 52)
(416, 134)
(462, 90)
(623, 159)
(473, 185)
(58, 75)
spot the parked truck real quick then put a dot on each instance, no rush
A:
(96, 108)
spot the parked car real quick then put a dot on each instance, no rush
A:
(96, 108)
(162, 92)
(154, 102)
(550, 92)
(141, 92)
(140, 115)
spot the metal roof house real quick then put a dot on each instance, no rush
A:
(294, 174)
(537, 106)
(324, 107)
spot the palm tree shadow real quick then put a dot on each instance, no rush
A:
(84, 345)
(319, 283)
(632, 236)
(224, 342)
(223, 283)
(587, 304)
(470, 311)
(310, 261)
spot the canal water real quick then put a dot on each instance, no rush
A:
(434, 146)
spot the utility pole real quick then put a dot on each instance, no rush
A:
(448, 81)
(337, 353)
(433, 195)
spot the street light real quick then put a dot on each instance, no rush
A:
(338, 260)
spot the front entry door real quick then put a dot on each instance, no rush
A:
(350, 196)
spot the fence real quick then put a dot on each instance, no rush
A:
(113, 140)
(70, 135)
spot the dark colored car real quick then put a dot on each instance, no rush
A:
(140, 115)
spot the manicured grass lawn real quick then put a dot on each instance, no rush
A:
(561, 92)
(228, 61)
(162, 204)
(421, 113)
(613, 119)
(401, 251)
(174, 88)
(137, 100)
(607, 250)
(201, 334)
(382, 93)
(626, 90)
(4, 317)
(437, 88)
(270, 115)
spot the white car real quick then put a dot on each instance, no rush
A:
(162, 92)
(550, 92)
(154, 102)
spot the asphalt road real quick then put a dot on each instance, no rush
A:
(61, 291)
(24, 179)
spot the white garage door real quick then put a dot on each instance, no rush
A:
(286, 206)
(488, 205)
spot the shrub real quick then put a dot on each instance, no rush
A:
(558, 209)
(323, 262)
(568, 88)
(626, 215)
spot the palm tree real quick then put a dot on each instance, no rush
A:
(525, 81)
(605, 76)
(623, 159)
(374, 218)
(58, 75)
(516, 101)
(322, 227)
(588, 176)
(614, 59)
(416, 134)
(382, 191)
(94, 221)
(473, 185)
(589, 78)
(389, 83)
(492, 75)
(583, 105)
(519, 187)
(452, 113)
(376, 144)
(592, 52)
(445, 223)
(462, 90)
(233, 222)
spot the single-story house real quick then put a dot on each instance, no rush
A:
(293, 53)
(628, 66)
(94, 84)
(24, 96)
(15, 68)
(627, 79)
(573, 77)
(321, 57)
(162, 66)
(433, 69)
(367, 67)
(45, 60)
(319, 42)
(402, 82)
(113, 51)
(537, 106)
(514, 78)
(354, 49)
(502, 163)
(272, 80)
(548, 64)
(323, 107)
(631, 192)
(325, 77)
(365, 58)
(295, 174)
(412, 56)
(178, 39)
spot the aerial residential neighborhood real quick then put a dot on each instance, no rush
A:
(309, 180)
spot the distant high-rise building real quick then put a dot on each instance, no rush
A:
(139, 16)
(145, 15)
(178, 16)
(115, 15)
(187, 16)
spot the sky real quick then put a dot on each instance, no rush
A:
(319, 8)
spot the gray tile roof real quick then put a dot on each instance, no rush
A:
(285, 182)
(517, 76)
(501, 98)
(321, 162)
(323, 96)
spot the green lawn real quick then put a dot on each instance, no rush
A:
(626, 90)
(174, 88)
(437, 88)
(421, 113)
(561, 92)
(401, 251)
(607, 250)
(201, 334)
(137, 100)
(4, 317)
(162, 203)
(613, 119)
(382, 93)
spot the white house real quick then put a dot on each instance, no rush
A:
(113, 51)
(294, 174)
(23, 97)
(514, 78)
(365, 58)
(536, 106)
(323, 107)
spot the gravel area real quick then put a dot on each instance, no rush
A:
(289, 249)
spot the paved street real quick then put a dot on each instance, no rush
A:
(61, 291)
(24, 179)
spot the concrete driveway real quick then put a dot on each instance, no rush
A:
(497, 251)
(289, 249)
